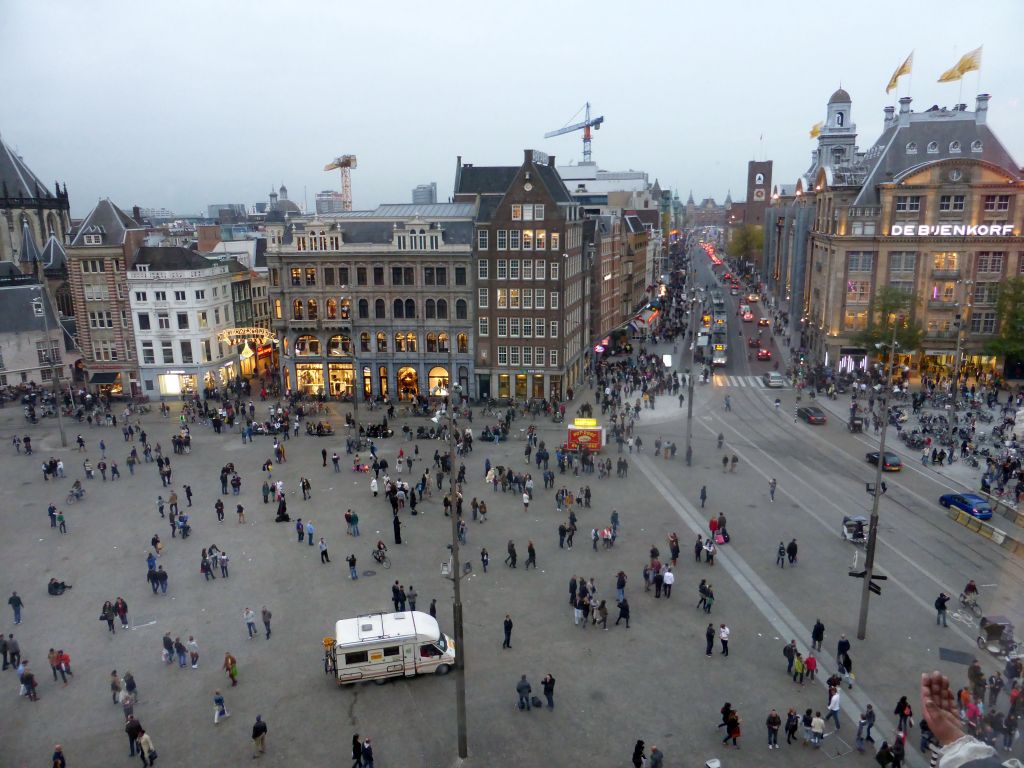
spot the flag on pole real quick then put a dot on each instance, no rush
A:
(904, 69)
(969, 62)
(816, 129)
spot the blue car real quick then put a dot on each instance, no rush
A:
(971, 503)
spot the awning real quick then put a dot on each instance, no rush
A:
(104, 377)
(645, 316)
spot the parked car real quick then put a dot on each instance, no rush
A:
(971, 503)
(892, 462)
(812, 414)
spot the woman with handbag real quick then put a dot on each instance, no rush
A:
(146, 749)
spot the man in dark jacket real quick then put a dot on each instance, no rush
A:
(524, 690)
(817, 635)
(133, 728)
(508, 632)
(623, 612)
(259, 736)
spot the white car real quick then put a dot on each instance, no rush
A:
(773, 379)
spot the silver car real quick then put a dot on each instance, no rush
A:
(773, 379)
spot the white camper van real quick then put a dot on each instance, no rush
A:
(382, 645)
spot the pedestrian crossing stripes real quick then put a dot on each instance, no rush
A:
(721, 380)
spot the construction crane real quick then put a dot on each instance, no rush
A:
(345, 164)
(586, 125)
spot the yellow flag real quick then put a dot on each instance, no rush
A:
(816, 129)
(969, 62)
(904, 69)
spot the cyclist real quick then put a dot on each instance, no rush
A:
(971, 591)
(76, 489)
(381, 551)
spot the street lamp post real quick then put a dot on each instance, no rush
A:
(869, 563)
(456, 574)
(689, 382)
(54, 371)
(958, 324)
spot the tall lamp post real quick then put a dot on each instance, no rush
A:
(869, 564)
(456, 571)
(958, 324)
(689, 379)
(40, 306)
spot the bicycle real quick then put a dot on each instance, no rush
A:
(382, 558)
(970, 602)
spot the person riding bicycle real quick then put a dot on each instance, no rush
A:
(381, 552)
(971, 591)
(76, 489)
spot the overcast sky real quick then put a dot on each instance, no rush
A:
(180, 104)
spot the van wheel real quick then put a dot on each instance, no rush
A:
(442, 669)
(381, 680)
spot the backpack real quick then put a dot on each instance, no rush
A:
(787, 651)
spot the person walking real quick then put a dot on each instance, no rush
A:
(259, 737)
(723, 636)
(132, 728)
(249, 615)
(791, 550)
(357, 751)
(352, 572)
(230, 666)
(16, 604)
(219, 707)
(485, 558)
(531, 557)
(266, 615)
(508, 632)
(834, 705)
(324, 557)
(817, 729)
(732, 729)
(639, 757)
(548, 684)
(367, 754)
(147, 751)
(703, 495)
(792, 724)
(310, 530)
(772, 485)
(817, 635)
(780, 555)
(623, 606)
(773, 722)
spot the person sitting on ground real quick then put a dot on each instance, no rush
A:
(56, 588)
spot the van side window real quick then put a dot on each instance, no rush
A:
(392, 651)
(359, 657)
(428, 650)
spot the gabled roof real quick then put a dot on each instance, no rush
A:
(53, 256)
(29, 251)
(108, 221)
(17, 179)
(17, 313)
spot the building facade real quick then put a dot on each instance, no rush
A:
(26, 200)
(180, 302)
(425, 194)
(934, 208)
(31, 347)
(531, 279)
(372, 301)
(329, 201)
(99, 258)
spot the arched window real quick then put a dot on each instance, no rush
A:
(911, 147)
(463, 342)
(954, 147)
(410, 309)
(297, 309)
(346, 309)
(399, 342)
(460, 309)
(311, 309)
(442, 342)
(976, 145)
(759, 178)
(398, 309)
(382, 341)
(338, 346)
(442, 309)
(277, 309)
(378, 308)
(430, 311)
(933, 147)
(332, 309)
(431, 342)
(410, 341)
(307, 346)
(364, 342)
(840, 117)
(364, 309)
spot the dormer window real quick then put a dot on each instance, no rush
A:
(911, 147)
(976, 146)
(954, 147)
(933, 147)
(93, 240)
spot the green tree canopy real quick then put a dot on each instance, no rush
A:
(1010, 314)
(891, 306)
(746, 240)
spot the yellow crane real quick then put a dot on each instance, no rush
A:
(345, 164)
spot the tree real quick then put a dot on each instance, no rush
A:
(1010, 314)
(888, 306)
(746, 240)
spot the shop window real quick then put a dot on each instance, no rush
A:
(442, 342)
(410, 341)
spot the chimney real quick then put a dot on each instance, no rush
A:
(889, 116)
(551, 160)
(528, 156)
(981, 110)
(137, 213)
(904, 118)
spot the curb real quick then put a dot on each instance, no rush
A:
(1000, 537)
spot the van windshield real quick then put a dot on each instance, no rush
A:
(442, 643)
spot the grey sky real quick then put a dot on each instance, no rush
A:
(184, 103)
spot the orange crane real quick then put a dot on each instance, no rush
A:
(345, 164)
(586, 125)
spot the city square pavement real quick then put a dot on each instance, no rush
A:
(650, 682)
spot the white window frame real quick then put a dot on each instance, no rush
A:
(527, 297)
(513, 269)
(553, 358)
(482, 239)
(502, 327)
(553, 304)
(502, 273)
(482, 269)
(539, 298)
(502, 355)
(538, 212)
(540, 270)
(483, 326)
(513, 327)
(517, 212)
(527, 327)
(553, 329)
(553, 272)
(502, 240)
(482, 297)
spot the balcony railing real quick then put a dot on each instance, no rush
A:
(941, 304)
(947, 272)
(937, 334)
